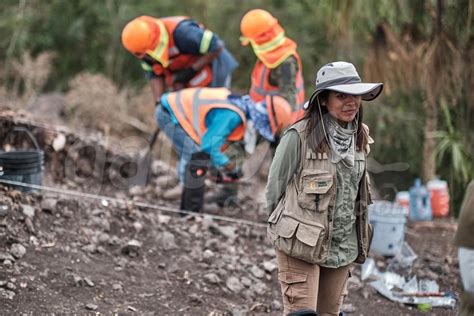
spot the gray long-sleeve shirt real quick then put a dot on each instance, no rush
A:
(284, 165)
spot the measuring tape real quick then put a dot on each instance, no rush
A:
(161, 208)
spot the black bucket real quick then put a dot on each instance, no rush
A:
(23, 165)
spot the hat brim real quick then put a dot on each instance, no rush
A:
(368, 91)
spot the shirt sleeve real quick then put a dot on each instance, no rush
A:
(285, 163)
(284, 77)
(190, 38)
(220, 124)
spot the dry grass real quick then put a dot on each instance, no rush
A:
(26, 78)
(94, 102)
(33, 72)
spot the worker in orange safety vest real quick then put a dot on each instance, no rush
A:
(278, 69)
(205, 126)
(177, 52)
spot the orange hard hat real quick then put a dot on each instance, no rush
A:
(279, 113)
(256, 22)
(139, 35)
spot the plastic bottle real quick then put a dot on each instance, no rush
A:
(420, 203)
(439, 197)
(403, 199)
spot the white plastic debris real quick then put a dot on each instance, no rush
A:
(59, 142)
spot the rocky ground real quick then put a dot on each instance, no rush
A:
(63, 253)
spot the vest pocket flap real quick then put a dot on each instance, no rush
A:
(286, 227)
(292, 277)
(308, 234)
(317, 183)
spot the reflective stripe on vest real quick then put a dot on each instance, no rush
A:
(157, 53)
(178, 61)
(261, 86)
(191, 106)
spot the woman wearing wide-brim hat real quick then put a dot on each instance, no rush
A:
(318, 192)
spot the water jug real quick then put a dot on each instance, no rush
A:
(420, 203)
(439, 197)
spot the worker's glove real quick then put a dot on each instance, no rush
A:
(235, 174)
(224, 176)
(184, 76)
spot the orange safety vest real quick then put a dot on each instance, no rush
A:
(175, 60)
(261, 85)
(190, 107)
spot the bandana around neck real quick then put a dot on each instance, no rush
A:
(341, 140)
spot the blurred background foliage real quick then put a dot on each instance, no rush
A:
(421, 49)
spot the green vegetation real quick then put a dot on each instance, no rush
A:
(421, 49)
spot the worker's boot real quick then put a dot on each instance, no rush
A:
(192, 197)
(226, 195)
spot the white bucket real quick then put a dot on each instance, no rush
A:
(389, 227)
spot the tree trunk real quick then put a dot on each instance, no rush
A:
(429, 144)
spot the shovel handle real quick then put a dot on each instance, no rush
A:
(153, 137)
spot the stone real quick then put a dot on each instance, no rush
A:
(89, 282)
(18, 251)
(270, 266)
(117, 287)
(59, 142)
(173, 193)
(91, 307)
(195, 298)
(136, 190)
(11, 286)
(8, 263)
(163, 219)
(132, 248)
(348, 308)
(49, 205)
(276, 305)
(246, 281)
(212, 278)
(166, 241)
(137, 226)
(28, 210)
(208, 256)
(4, 209)
(270, 252)
(257, 272)
(234, 284)
(227, 231)
(260, 288)
(166, 181)
(6, 256)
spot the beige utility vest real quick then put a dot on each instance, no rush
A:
(302, 222)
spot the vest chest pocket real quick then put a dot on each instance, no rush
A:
(359, 167)
(315, 193)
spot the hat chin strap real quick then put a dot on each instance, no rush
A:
(322, 120)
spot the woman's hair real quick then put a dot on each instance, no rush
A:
(315, 134)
